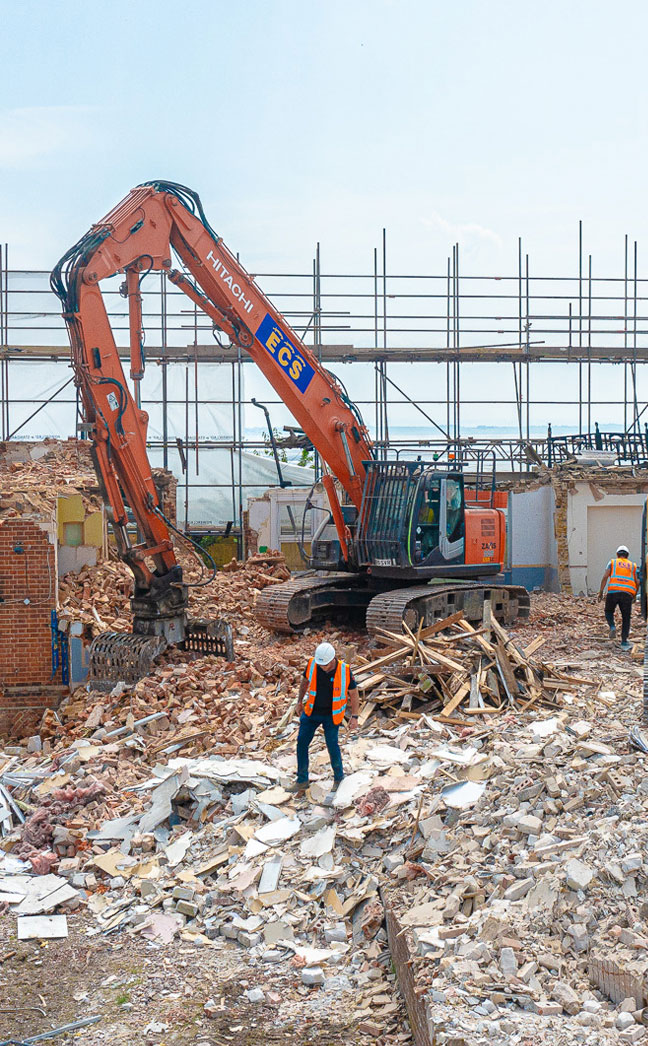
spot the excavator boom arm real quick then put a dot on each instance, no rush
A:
(141, 234)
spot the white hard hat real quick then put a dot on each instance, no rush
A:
(623, 550)
(324, 654)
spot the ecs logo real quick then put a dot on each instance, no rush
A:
(285, 353)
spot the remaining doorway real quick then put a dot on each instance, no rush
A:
(609, 526)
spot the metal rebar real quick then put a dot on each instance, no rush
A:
(528, 362)
(378, 415)
(625, 334)
(383, 364)
(589, 344)
(448, 347)
(186, 443)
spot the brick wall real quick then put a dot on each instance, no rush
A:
(166, 485)
(26, 683)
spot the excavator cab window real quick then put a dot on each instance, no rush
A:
(454, 510)
(437, 520)
(426, 530)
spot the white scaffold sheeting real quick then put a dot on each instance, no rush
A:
(210, 489)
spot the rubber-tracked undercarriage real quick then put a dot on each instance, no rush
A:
(304, 601)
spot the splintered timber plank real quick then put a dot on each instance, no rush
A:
(491, 680)
(487, 647)
(534, 645)
(367, 709)
(441, 659)
(434, 654)
(371, 681)
(417, 640)
(572, 680)
(473, 701)
(457, 699)
(512, 650)
(386, 659)
(506, 670)
(439, 626)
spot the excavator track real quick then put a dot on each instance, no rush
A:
(294, 604)
(429, 603)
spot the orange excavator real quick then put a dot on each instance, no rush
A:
(408, 541)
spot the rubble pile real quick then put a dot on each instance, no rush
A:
(194, 706)
(532, 891)
(99, 595)
(216, 851)
(513, 857)
(32, 481)
(451, 666)
(505, 834)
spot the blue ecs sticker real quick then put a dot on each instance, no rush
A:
(285, 353)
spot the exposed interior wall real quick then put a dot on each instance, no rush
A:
(81, 533)
(533, 552)
(609, 526)
(268, 523)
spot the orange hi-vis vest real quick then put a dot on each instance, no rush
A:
(623, 577)
(340, 689)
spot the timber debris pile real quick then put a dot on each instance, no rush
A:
(451, 666)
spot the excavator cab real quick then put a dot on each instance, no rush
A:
(413, 520)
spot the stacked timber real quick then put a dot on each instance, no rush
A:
(451, 668)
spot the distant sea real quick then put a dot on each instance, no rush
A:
(426, 432)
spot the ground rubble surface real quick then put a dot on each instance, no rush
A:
(509, 847)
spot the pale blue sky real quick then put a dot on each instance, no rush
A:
(298, 121)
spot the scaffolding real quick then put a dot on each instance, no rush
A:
(447, 326)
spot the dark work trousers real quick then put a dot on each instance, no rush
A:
(624, 601)
(308, 724)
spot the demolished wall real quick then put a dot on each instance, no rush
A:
(596, 510)
(28, 596)
(565, 524)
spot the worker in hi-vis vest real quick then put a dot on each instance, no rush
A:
(622, 586)
(326, 689)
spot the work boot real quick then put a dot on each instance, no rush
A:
(298, 786)
(336, 784)
(613, 632)
(625, 646)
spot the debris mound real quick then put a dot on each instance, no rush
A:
(451, 667)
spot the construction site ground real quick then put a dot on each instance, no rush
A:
(194, 988)
(135, 988)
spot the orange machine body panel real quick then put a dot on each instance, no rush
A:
(485, 539)
(498, 499)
